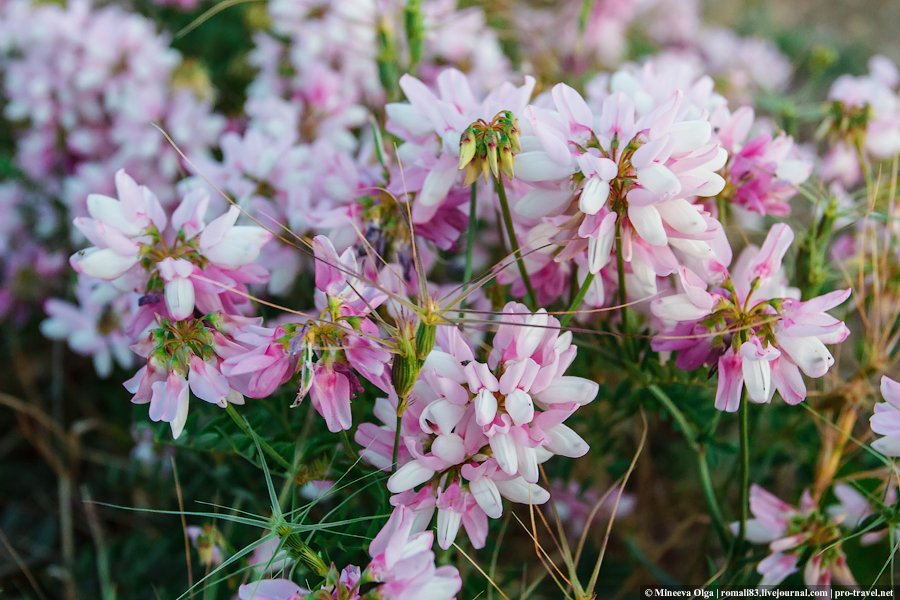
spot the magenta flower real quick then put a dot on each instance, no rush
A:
(763, 173)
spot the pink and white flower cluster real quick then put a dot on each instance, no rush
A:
(790, 531)
(191, 262)
(476, 432)
(402, 565)
(751, 328)
(328, 351)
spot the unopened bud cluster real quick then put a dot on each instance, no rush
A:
(489, 147)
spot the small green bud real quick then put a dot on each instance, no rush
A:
(425, 336)
(404, 372)
(492, 147)
(467, 147)
(300, 551)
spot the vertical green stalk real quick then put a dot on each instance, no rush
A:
(513, 243)
(745, 469)
(697, 446)
(623, 295)
(576, 301)
(470, 243)
(396, 457)
(710, 494)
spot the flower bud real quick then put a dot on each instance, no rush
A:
(300, 551)
(467, 147)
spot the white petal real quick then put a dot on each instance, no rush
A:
(566, 442)
(682, 216)
(689, 135)
(437, 184)
(528, 466)
(504, 449)
(658, 179)
(487, 496)
(520, 407)
(180, 298)
(758, 379)
(485, 407)
(648, 224)
(677, 308)
(538, 166)
(543, 203)
(808, 353)
(409, 476)
(569, 389)
(104, 264)
(593, 196)
(519, 490)
(240, 246)
(448, 522)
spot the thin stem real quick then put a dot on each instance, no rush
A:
(229, 408)
(710, 493)
(513, 243)
(676, 413)
(705, 479)
(576, 301)
(470, 244)
(745, 469)
(620, 267)
(396, 456)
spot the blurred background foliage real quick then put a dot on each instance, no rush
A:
(67, 438)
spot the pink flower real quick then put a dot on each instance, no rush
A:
(765, 172)
(173, 369)
(193, 263)
(886, 420)
(515, 405)
(403, 562)
(789, 532)
(755, 301)
(854, 508)
(94, 327)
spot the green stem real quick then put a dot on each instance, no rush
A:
(513, 243)
(470, 244)
(705, 479)
(676, 413)
(396, 456)
(229, 408)
(576, 301)
(708, 491)
(620, 267)
(745, 469)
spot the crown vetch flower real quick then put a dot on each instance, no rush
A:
(752, 328)
(476, 432)
(192, 263)
(185, 356)
(790, 531)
